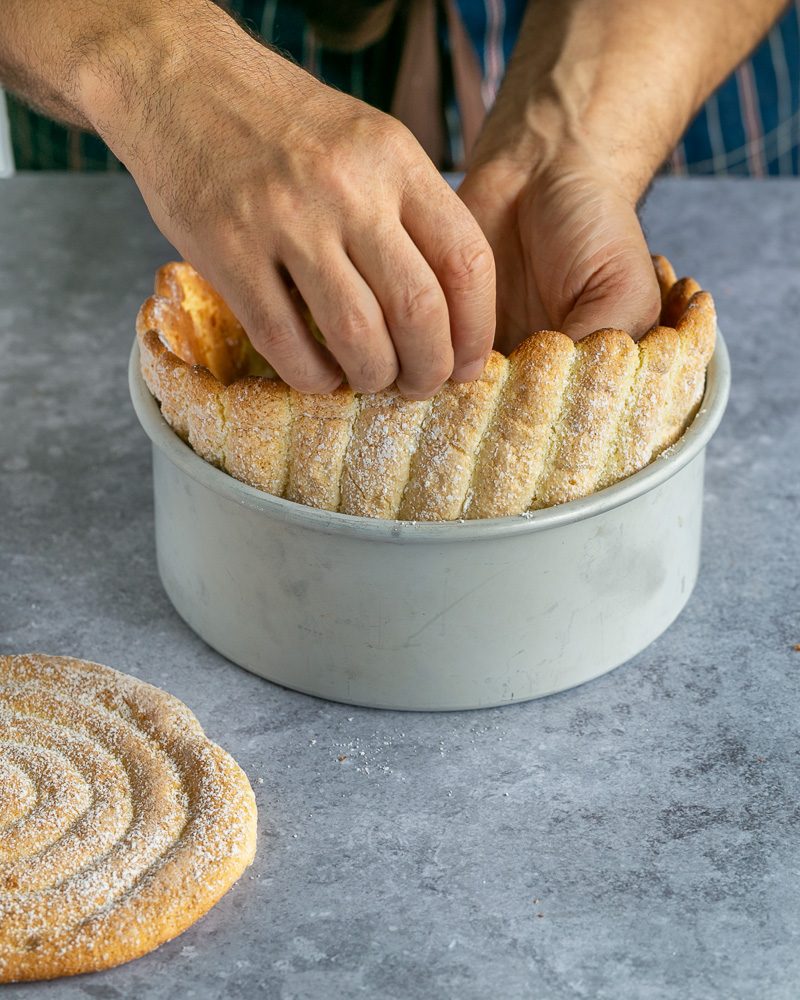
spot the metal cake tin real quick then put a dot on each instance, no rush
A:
(404, 615)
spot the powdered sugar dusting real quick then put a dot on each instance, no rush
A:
(560, 426)
(124, 807)
(376, 466)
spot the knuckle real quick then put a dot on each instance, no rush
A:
(277, 339)
(352, 330)
(422, 305)
(392, 134)
(469, 264)
(374, 376)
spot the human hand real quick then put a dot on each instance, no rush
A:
(266, 179)
(569, 249)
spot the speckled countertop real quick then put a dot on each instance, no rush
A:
(635, 838)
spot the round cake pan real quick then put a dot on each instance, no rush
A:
(404, 615)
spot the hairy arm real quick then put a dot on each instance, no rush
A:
(597, 94)
(58, 55)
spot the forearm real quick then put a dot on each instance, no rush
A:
(149, 76)
(108, 67)
(615, 82)
(55, 55)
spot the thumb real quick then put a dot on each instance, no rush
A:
(622, 293)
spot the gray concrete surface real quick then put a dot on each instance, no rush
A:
(633, 839)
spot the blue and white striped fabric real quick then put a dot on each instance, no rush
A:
(750, 126)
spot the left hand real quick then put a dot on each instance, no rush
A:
(569, 251)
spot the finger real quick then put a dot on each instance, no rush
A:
(276, 329)
(347, 314)
(623, 294)
(451, 241)
(413, 305)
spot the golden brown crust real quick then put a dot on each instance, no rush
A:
(696, 327)
(217, 339)
(378, 457)
(676, 301)
(167, 375)
(205, 415)
(514, 449)
(665, 275)
(442, 466)
(649, 400)
(256, 444)
(594, 397)
(127, 824)
(553, 422)
(321, 429)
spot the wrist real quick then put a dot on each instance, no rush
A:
(130, 72)
(110, 57)
(536, 166)
(583, 159)
(542, 141)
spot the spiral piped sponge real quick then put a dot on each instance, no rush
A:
(120, 822)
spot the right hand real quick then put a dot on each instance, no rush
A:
(264, 178)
